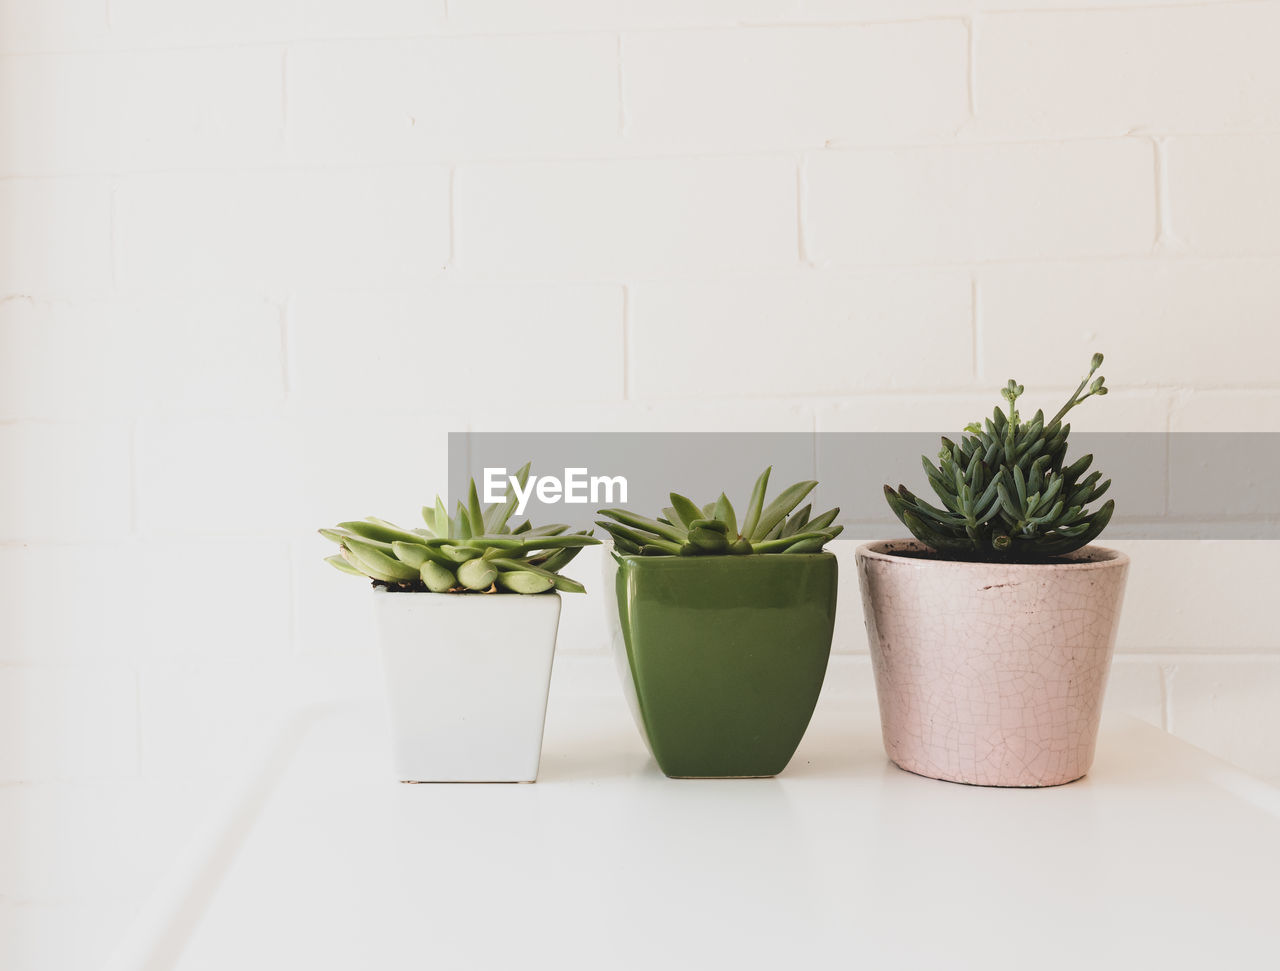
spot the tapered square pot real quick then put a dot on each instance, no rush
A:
(991, 674)
(467, 679)
(725, 656)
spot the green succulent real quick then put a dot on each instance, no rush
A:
(1006, 489)
(687, 529)
(473, 551)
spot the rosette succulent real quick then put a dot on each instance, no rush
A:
(472, 551)
(687, 529)
(1007, 491)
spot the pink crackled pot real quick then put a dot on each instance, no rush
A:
(991, 674)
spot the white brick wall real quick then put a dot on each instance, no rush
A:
(787, 87)
(618, 218)
(975, 204)
(251, 252)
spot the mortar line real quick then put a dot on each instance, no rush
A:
(975, 310)
(449, 33)
(971, 78)
(1164, 234)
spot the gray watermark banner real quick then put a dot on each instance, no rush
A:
(1206, 485)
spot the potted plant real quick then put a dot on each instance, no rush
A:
(467, 611)
(991, 633)
(726, 628)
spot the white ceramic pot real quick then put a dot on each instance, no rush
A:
(991, 673)
(467, 680)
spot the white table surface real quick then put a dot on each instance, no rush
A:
(1162, 858)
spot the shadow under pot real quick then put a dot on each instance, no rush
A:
(723, 657)
(991, 674)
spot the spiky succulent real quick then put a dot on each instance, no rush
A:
(686, 529)
(1006, 488)
(473, 551)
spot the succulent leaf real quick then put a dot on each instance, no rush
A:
(687, 529)
(339, 563)
(472, 551)
(1006, 490)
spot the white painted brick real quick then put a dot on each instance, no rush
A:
(281, 477)
(198, 108)
(1216, 411)
(794, 87)
(66, 25)
(408, 449)
(863, 11)
(61, 723)
(36, 624)
(691, 415)
(1223, 196)
(517, 15)
(1199, 595)
(1159, 322)
(368, 227)
(1112, 72)
(635, 217)
(947, 205)
(516, 96)
(202, 231)
(186, 588)
(1228, 706)
(824, 334)
(586, 321)
(1100, 5)
(344, 18)
(843, 11)
(139, 110)
(124, 356)
(162, 23)
(57, 236)
(68, 482)
(333, 612)
(59, 113)
(77, 841)
(214, 476)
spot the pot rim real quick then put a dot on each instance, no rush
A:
(384, 592)
(1105, 558)
(786, 557)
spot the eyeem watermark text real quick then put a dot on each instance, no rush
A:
(577, 487)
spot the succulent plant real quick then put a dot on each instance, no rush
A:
(473, 551)
(687, 529)
(1006, 489)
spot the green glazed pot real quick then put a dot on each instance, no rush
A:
(726, 655)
